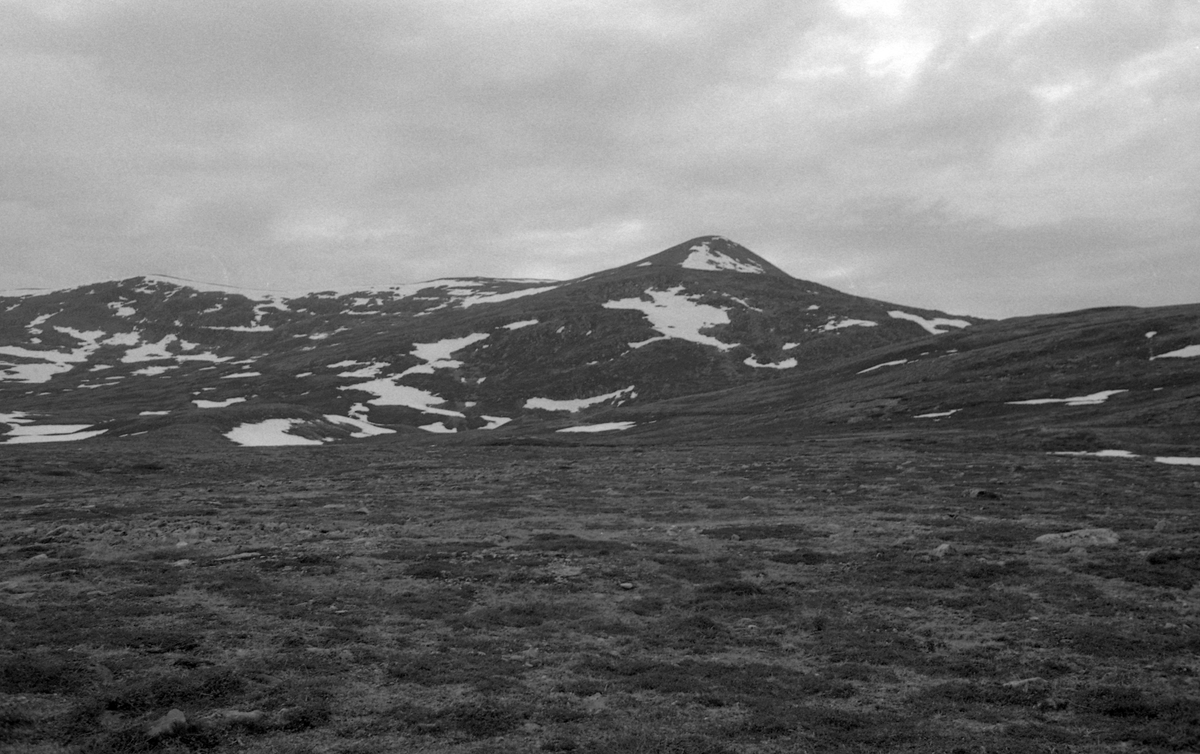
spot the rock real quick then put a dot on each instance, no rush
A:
(942, 550)
(168, 725)
(626, 585)
(982, 494)
(238, 717)
(1079, 538)
(239, 556)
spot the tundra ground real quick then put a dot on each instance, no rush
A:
(841, 594)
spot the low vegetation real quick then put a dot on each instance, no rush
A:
(856, 595)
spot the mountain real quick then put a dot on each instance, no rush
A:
(170, 357)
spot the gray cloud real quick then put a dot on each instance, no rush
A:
(972, 156)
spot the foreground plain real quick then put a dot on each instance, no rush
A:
(858, 594)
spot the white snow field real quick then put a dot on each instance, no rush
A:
(577, 404)
(1094, 399)
(675, 315)
(750, 361)
(704, 258)
(1179, 460)
(268, 432)
(1187, 352)
(933, 326)
(605, 427)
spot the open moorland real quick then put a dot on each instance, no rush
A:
(866, 593)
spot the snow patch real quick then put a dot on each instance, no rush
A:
(605, 427)
(365, 428)
(785, 364)
(702, 257)
(495, 422)
(1097, 453)
(240, 375)
(1187, 352)
(838, 324)
(675, 315)
(577, 404)
(519, 325)
(1178, 460)
(154, 371)
(201, 403)
(439, 428)
(388, 393)
(932, 326)
(268, 433)
(1094, 399)
(153, 413)
(938, 415)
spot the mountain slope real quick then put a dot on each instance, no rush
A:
(1074, 381)
(148, 354)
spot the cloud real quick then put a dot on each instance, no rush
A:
(921, 152)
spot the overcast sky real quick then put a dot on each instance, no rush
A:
(988, 157)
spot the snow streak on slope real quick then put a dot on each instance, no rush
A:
(933, 326)
(1094, 399)
(896, 363)
(605, 427)
(675, 315)
(1187, 352)
(704, 258)
(577, 404)
(838, 324)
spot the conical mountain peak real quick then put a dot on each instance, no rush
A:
(712, 254)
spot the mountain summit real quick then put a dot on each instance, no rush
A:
(714, 254)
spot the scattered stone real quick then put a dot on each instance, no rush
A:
(942, 550)
(182, 543)
(240, 556)
(982, 494)
(182, 563)
(167, 725)
(1079, 538)
(626, 585)
(239, 717)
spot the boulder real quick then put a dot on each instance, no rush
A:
(167, 725)
(1079, 538)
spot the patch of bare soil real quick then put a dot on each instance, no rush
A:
(835, 595)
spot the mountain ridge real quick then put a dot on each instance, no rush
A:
(506, 356)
